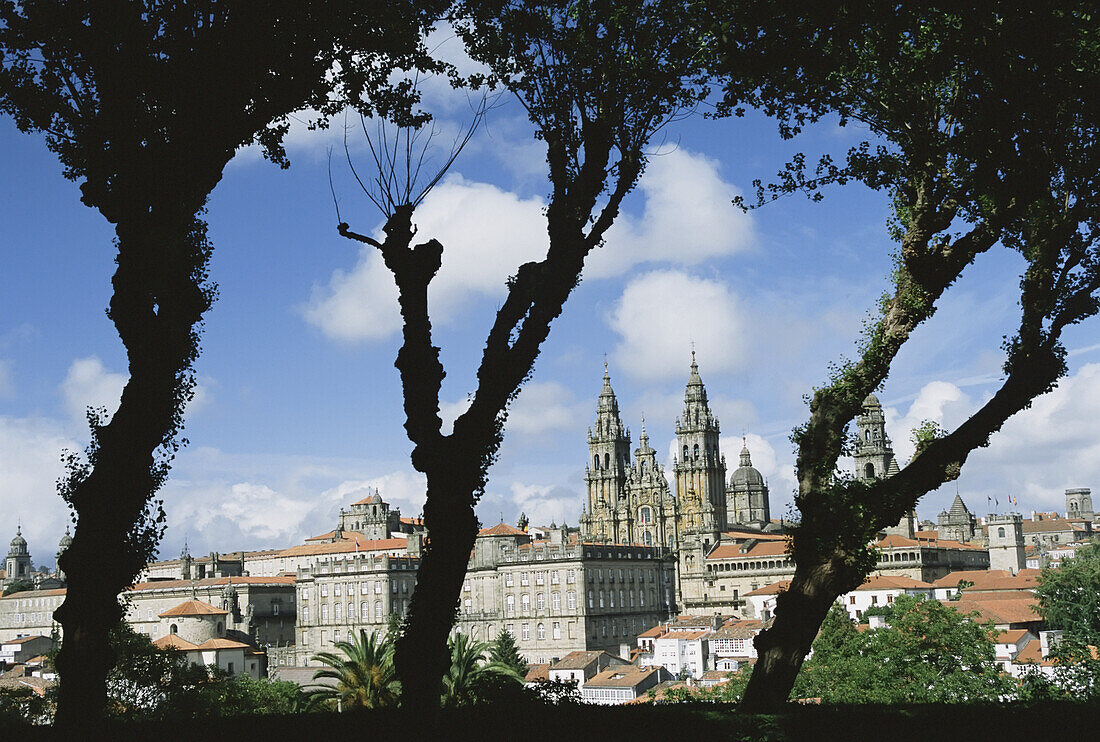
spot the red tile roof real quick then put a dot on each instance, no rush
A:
(222, 644)
(347, 546)
(214, 582)
(773, 589)
(501, 529)
(194, 608)
(893, 582)
(760, 549)
(173, 641)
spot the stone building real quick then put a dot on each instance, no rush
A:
(1006, 542)
(18, 564)
(958, 523)
(1079, 504)
(555, 595)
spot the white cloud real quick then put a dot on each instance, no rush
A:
(89, 384)
(543, 407)
(939, 401)
(30, 458)
(661, 313)
(545, 505)
(687, 219)
(486, 234)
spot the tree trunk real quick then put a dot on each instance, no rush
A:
(422, 656)
(783, 647)
(158, 301)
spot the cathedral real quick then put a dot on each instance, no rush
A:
(629, 500)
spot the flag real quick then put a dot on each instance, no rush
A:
(997, 502)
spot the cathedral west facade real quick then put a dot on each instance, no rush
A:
(629, 500)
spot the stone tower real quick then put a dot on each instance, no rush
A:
(605, 474)
(1079, 504)
(874, 455)
(65, 542)
(699, 467)
(651, 507)
(19, 559)
(1006, 542)
(372, 517)
(957, 524)
(749, 494)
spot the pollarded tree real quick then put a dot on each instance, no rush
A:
(597, 79)
(144, 103)
(989, 125)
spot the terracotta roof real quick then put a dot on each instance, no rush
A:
(1032, 654)
(626, 676)
(1005, 610)
(34, 593)
(213, 582)
(194, 608)
(21, 639)
(686, 634)
(1012, 636)
(501, 529)
(222, 644)
(347, 536)
(413, 521)
(536, 673)
(892, 582)
(759, 535)
(894, 541)
(761, 549)
(1047, 525)
(773, 589)
(576, 661)
(951, 579)
(231, 556)
(173, 641)
(654, 632)
(348, 545)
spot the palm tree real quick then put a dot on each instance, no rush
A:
(364, 674)
(470, 678)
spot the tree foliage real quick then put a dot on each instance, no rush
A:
(985, 136)
(472, 677)
(597, 79)
(504, 652)
(1069, 596)
(362, 674)
(144, 103)
(927, 653)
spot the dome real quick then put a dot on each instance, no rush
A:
(745, 474)
(18, 544)
(374, 500)
(871, 401)
(66, 541)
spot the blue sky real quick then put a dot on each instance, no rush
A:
(299, 406)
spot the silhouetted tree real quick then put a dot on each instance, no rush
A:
(597, 79)
(144, 103)
(987, 117)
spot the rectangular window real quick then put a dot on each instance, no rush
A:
(571, 576)
(557, 630)
(540, 601)
(554, 579)
(523, 579)
(525, 632)
(274, 609)
(335, 635)
(336, 589)
(508, 580)
(540, 578)
(393, 586)
(466, 586)
(362, 588)
(324, 589)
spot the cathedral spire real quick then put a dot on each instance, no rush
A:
(746, 460)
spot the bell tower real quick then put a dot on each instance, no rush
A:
(699, 466)
(608, 461)
(874, 455)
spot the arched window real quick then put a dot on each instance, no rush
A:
(596, 461)
(525, 602)
(696, 451)
(869, 470)
(607, 461)
(1001, 532)
(377, 610)
(364, 611)
(645, 515)
(866, 435)
(510, 603)
(647, 538)
(540, 601)
(685, 453)
(351, 611)
(540, 631)
(221, 627)
(173, 629)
